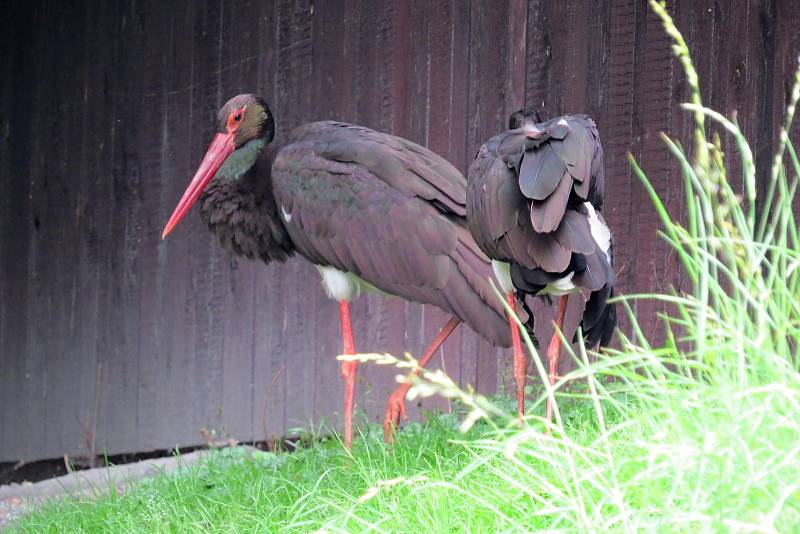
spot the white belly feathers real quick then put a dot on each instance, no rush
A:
(502, 273)
(338, 285)
(600, 231)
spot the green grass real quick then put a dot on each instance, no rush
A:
(434, 479)
(699, 434)
(233, 491)
(696, 464)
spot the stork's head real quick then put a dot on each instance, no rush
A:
(527, 115)
(244, 126)
(246, 118)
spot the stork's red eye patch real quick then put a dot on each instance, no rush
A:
(235, 118)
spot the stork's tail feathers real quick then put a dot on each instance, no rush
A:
(599, 318)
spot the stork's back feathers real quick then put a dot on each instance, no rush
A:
(534, 197)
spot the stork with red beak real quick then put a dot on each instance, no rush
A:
(370, 210)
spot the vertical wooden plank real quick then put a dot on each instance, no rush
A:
(271, 327)
(538, 55)
(32, 353)
(115, 344)
(6, 66)
(166, 313)
(124, 217)
(787, 60)
(517, 45)
(152, 143)
(93, 162)
(59, 315)
(16, 234)
(293, 98)
(769, 94)
(652, 107)
(400, 84)
(618, 133)
(787, 57)
(741, 66)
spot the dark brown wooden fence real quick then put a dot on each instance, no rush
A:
(106, 107)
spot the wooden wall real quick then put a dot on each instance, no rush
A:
(106, 107)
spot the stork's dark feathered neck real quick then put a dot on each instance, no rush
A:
(524, 117)
(240, 209)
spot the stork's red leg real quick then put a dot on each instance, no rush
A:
(520, 360)
(554, 350)
(348, 372)
(396, 405)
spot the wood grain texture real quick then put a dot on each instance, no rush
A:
(105, 109)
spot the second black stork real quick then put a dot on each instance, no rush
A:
(534, 202)
(370, 210)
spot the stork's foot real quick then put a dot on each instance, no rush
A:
(521, 406)
(395, 409)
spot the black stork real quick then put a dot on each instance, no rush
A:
(534, 201)
(370, 210)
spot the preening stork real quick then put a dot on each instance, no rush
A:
(534, 201)
(370, 210)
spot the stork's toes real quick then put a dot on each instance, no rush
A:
(395, 409)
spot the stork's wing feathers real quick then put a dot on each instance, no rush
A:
(541, 172)
(338, 214)
(546, 214)
(389, 212)
(575, 232)
(547, 252)
(495, 199)
(404, 165)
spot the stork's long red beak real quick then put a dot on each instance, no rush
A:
(221, 147)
